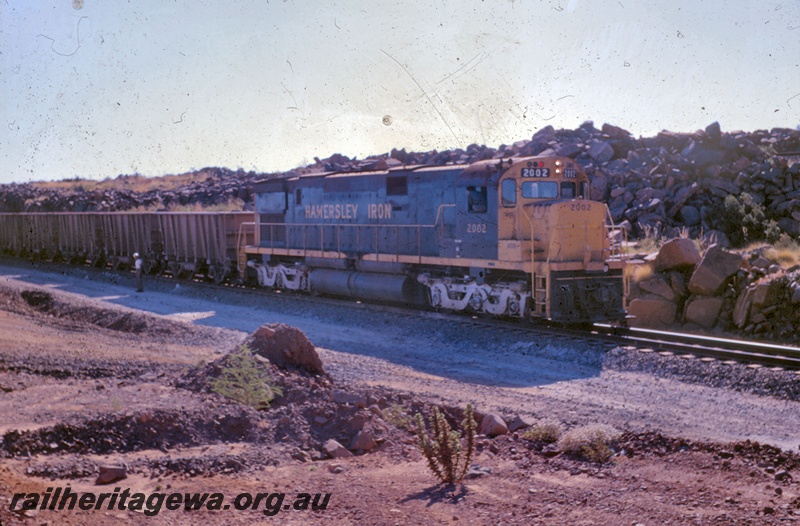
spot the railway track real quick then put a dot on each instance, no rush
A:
(755, 353)
(693, 345)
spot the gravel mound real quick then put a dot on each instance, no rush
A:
(160, 429)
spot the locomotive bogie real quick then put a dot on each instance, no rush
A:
(461, 294)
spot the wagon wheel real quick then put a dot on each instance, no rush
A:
(148, 266)
(175, 269)
(218, 273)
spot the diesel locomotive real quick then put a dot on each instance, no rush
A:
(515, 237)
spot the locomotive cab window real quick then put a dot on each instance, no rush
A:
(584, 190)
(567, 190)
(539, 189)
(509, 193)
(397, 185)
(477, 201)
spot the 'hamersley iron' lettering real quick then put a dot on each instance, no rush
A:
(347, 211)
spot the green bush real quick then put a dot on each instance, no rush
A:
(744, 221)
(448, 454)
(244, 379)
(397, 416)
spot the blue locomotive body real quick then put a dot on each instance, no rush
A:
(427, 211)
(512, 237)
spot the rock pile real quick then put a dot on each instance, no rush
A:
(209, 187)
(722, 289)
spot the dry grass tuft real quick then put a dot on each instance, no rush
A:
(785, 252)
(591, 442)
(639, 273)
(548, 431)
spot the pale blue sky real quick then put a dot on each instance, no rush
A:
(95, 88)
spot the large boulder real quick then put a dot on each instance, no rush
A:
(659, 286)
(108, 474)
(653, 312)
(286, 347)
(680, 253)
(333, 449)
(493, 425)
(741, 311)
(716, 266)
(703, 311)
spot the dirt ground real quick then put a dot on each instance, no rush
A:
(84, 386)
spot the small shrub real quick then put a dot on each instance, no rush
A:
(548, 431)
(744, 220)
(651, 240)
(589, 442)
(397, 416)
(244, 379)
(447, 452)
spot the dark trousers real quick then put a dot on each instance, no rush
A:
(139, 280)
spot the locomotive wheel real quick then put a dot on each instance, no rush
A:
(477, 299)
(436, 298)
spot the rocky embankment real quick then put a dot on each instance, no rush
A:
(744, 293)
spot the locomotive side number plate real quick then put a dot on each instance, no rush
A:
(536, 172)
(570, 173)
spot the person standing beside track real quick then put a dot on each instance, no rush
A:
(138, 266)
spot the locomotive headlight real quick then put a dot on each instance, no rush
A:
(558, 170)
(558, 163)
